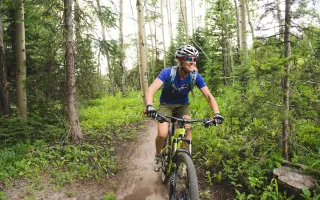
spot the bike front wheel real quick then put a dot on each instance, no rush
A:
(184, 182)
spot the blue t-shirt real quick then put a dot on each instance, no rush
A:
(179, 94)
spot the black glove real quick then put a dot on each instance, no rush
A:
(218, 119)
(151, 112)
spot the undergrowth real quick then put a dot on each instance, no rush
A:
(245, 149)
(40, 147)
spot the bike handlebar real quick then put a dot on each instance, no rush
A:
(163, 118)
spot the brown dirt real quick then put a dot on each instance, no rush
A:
(135, 179)
(139, 181)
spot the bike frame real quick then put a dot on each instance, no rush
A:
(176, 137)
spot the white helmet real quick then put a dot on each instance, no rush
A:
(186, 50)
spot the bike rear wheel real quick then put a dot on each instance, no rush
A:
(184, 182)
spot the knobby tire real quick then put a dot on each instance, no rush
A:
(188, 190)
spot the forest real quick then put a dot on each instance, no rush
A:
(71, 92)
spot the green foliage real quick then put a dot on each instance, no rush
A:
(33, 147)
(247, 146)
(311, 195)
(14, 130)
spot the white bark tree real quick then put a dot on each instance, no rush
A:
(184, 18)
(75, 130)
(122, 67)
(21, 71)
(169, 20)
(163, 39)
(142, 48)
(243, 31)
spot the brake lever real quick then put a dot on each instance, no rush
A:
(209, 122)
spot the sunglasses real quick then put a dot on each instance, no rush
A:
(191, 59)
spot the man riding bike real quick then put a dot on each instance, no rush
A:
(178, 81)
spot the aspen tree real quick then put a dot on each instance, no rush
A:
(75, 130)
(21, 72)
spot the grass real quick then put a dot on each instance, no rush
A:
(104, 121)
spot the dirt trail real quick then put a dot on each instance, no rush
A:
(139, 181)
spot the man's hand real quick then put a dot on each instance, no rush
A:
(218, 118)
(151, 112)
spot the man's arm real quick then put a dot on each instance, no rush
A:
(157, 83)
(211, 100)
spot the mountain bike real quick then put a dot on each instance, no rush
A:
(176, 163)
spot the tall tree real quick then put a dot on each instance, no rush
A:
(163, 39)
(21, 68)
(226, 49)
(286, 80)
(184, 19)
(192, 17)
(238, 25)
(75, 130)
(169, 21)
(243, 31)
(152, 52)
(249, 20)
(121, 60)
(154, 17)
(142, 48)
(279, 18)
(4, 85)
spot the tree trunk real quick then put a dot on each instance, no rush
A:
(225, 48)
(142, 49)
(155, 39)
(206, 24)
(251, 26)
(238, 26)
(243, 29)
(279, 18)
(137, 53)
(192, 17)
(184, 18)
(4, 85)
(152, 51)
(249, 20)
(122, 67)
(169, 21)
(111, 75)
(103, 34)
(75, 130)
(21, 73)
(286, 81)
(163, 39)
